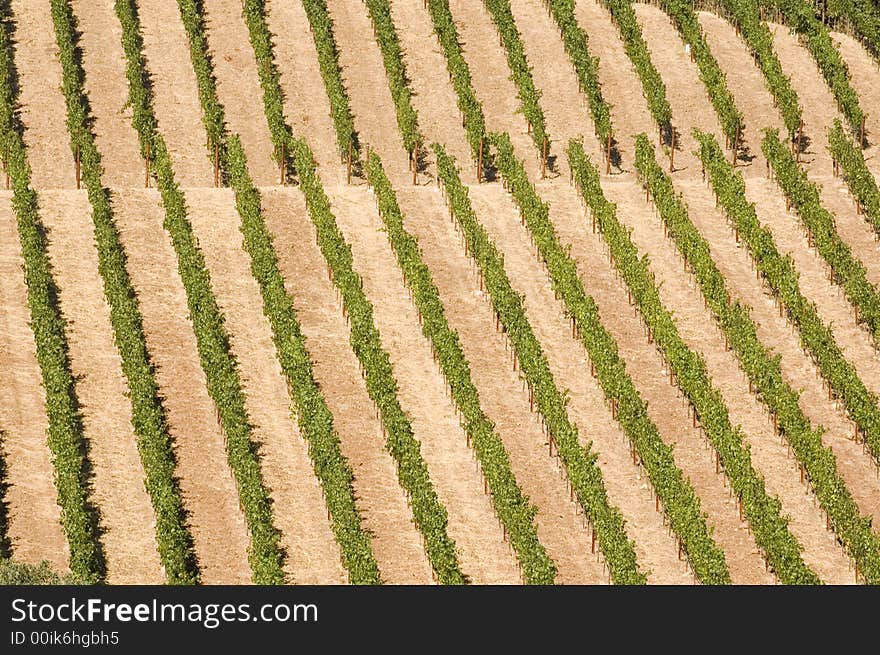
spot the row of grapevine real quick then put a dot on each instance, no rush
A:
(395, 69)
(745, 16)
(584, 475)
(328, 61)
(817, 461)
(313, 416)
(653, 87)
(800, 15)
(862, 17)
(780, 547)
(521, 72)
(847, 270)
(265, 554)
(212, 113)
(679, 499)
(685, 19)
(460, 75)
(586, 66)
(175, 542)
(511, 505)
(861, 183)
(428, 512)
(65, 434)
(270, 78)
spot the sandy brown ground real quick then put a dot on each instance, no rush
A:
(770, 456)
(364, 76)
(207, 486)
(570, 365)
(175, 92)
(820, 110)
(490, 75)
(666, 405)
(107, 89)
(238, 86)
(566, 111)
(127, 522)
(865, 79)
(787, 229)
(740, 275)
(686, 93)
(34, 526)
(306, 106)
(505, 400)
(749, 89)
(40, 98)
(778, 334)
(473, 525)
(621, 87)
(298, 507)
(432, 94)
(396, 543)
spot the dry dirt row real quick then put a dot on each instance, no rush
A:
(491, 79)
(175, 93)
(127, 522)
(364, 77)
(396, 543)
(505, 401)
(432, 94)
(126, 519)
(34, 518)
(238, 86)
(855, 466)
(306, 106)
(298, 506)
(207, 486)
(483, 553)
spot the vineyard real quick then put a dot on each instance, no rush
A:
(440, 291)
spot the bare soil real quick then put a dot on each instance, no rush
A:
(107, 89)
(423, 394)
(566, 111)
(207, 486)
(561, 525)
(364, 76)
(491, 79)
(306, 106)
(34, 518)
(569, 364)
(770, 455)
(175, 92)
(40, 99)
(432, 94)
(127, 521)
(396, 543)
(299, 511)
(238, 86)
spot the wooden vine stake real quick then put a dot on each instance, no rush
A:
(415, 165)
(608, 156)
(78, 168)
(282, 166)
(800, 142)
(216, 165)
(672, 154)
(862, 134)
(735, 145)
(544, 159)
(348, 165)
(147, 168)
